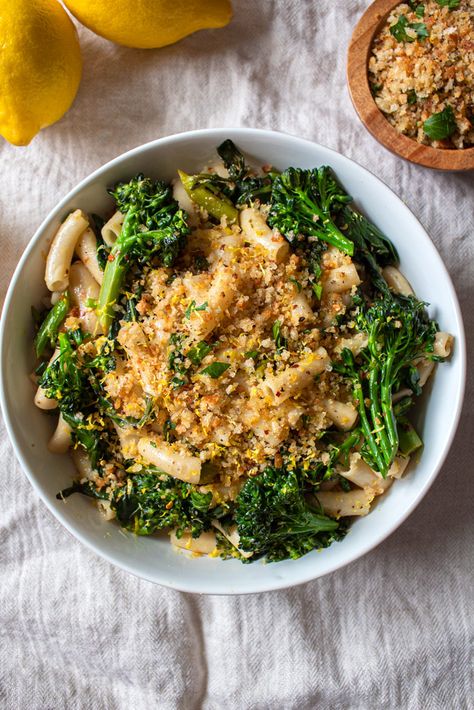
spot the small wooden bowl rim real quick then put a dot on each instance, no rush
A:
(369, 113)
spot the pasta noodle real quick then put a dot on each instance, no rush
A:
(292, 381)
(61, 439)
(443, 344)
(342, 414)
(86, 250)
(258, 232)
(170, 461)
(82, 463)
(205, 544)
(223, 291)
(362, 475)
(112, 228)
(84, 290)
(341, 279)
(61, 250)
(343, 505)
(397, 281)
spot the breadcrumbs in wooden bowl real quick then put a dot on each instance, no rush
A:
(421, 71)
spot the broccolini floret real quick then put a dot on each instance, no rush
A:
(154, 227)
(399, 330)
(304, 204)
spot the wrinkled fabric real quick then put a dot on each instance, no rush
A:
(392, 630)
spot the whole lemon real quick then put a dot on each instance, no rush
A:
(149, 23)
(40, 66)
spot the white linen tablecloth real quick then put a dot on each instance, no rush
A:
(392, 630)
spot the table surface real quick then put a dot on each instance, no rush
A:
(392, 630)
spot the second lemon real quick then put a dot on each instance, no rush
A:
(149, 23)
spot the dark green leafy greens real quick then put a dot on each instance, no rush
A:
(277, 517)
(247, 186)
(151, 501)
(74, 382)
(371, 246)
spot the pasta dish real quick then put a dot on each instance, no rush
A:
(233, 357)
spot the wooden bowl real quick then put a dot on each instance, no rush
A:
(373, 119)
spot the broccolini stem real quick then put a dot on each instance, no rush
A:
(366, 428)
(387, 407)
(213, 204)
(377, 415)
(114, 275)
(409, 439)
(50, 326)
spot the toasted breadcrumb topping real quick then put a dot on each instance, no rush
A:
(232, 420)
(413, 79)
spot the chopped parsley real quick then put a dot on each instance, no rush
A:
(412, 98)
(399, 30)
(317, 290)
(450, 4)
(440, 125)
(251, 354)
(198, 352)
(297, 283)
(192, 308)
(215, 369)
(280, 341)
(168, 428)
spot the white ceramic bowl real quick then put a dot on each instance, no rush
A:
(155, 559)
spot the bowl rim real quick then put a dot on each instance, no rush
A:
(445, 159)
(199, 586)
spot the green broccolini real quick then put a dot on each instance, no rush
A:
(221, 196)
(154, 227)
(399, 330)
(48, 330)
(304, 204)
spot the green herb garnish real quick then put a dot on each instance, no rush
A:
(252, 354)
(297, 283)
(399, 30)
(215, 369)
(192, 308)
(440, 125)
(198, 352)
(450, 4)
(280, 341)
